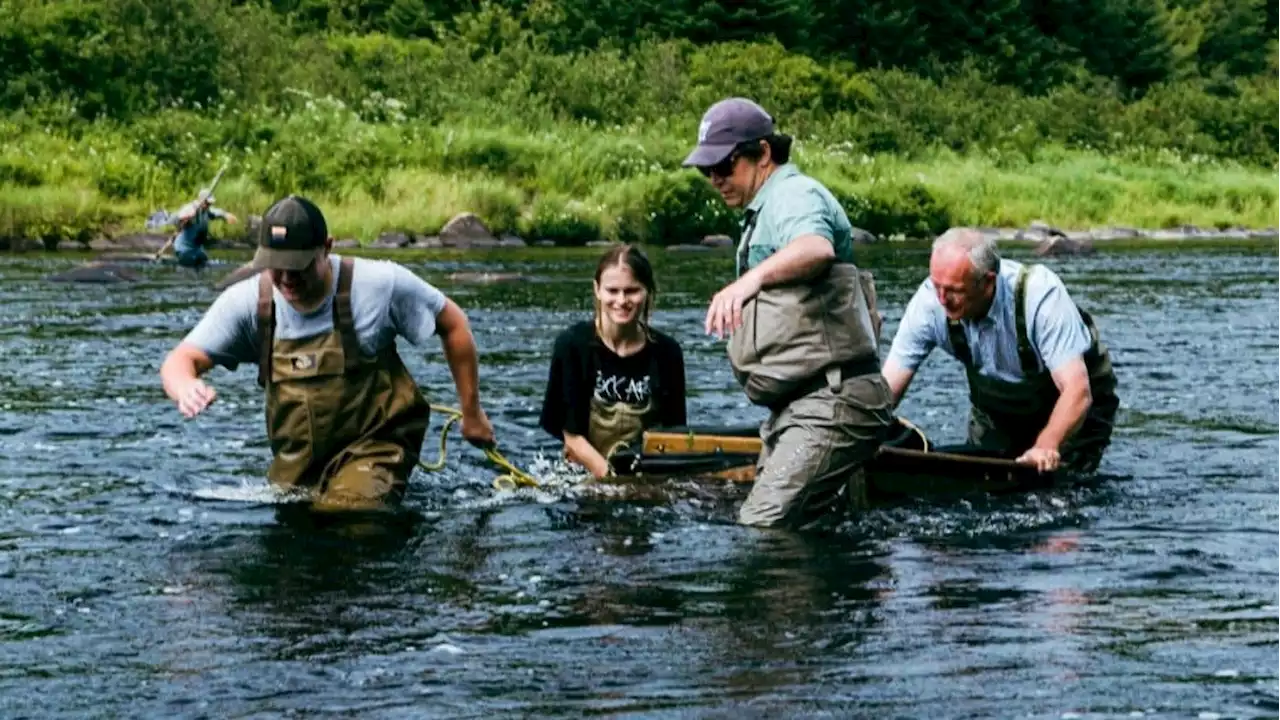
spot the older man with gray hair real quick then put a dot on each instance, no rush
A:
(1040, 380)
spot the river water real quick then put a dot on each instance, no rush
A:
(146, 570)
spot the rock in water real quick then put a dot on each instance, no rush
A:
(124, 257)
(244, 271)
(485, 278)
(97, 273)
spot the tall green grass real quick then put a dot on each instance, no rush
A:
(575, 184)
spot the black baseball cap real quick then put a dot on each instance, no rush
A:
(291, 236)
(726, 125)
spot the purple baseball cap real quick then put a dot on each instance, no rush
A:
(727, 124)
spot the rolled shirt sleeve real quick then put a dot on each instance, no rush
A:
(792, 205)
(228, 331)
(1057, 330)
(415, 303)
(917, 333)
(803, 214)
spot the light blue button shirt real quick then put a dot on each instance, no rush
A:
(1055, 328)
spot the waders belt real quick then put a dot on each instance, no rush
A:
(744, 248)
(854, 368)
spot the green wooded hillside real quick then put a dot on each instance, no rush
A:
(567, 120)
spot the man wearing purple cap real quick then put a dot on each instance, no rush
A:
(802, 324)
(345, 418)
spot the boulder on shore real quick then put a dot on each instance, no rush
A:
(863, 237)
(467, 230)
(392, 240)
(130, 242)
(1065, 245)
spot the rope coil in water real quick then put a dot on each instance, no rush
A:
(514, 477)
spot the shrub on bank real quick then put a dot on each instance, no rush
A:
(561, 220)
(901, 209)
(51, 215)
(668, 208)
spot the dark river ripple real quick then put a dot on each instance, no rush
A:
(146, 572)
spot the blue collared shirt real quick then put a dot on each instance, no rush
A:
(1055, 328)
(791, 204)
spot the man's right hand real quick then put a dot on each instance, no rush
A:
(194, 398)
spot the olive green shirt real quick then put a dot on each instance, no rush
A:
(791, 204)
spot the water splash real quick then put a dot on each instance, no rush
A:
(257, 492)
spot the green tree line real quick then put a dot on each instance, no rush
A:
(129, 56)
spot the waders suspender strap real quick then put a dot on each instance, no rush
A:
(1026, 354)
(744, 251)
(955, 331)
(343, 319)
(266, 328)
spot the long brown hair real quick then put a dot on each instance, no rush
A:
(634, 259)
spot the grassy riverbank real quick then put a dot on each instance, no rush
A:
(575, 184)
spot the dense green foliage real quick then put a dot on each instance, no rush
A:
(568, 119)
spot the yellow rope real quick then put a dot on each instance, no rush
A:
(923, 438)
(444, 437)
(608, 457)
(514, 477)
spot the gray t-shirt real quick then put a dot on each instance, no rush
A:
(386, 300)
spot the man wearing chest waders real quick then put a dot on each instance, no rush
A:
(802, 323)
(344, 417)
(1040, 380)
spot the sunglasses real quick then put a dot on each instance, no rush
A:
(722, 169)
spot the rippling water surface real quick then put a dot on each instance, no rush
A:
(146, 570)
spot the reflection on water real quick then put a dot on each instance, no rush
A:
(147, 570)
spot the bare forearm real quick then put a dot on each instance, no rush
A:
(898, 378)
(1067, 417)
(800, 259)
(580, 450)
(180, 367)
(464, 364)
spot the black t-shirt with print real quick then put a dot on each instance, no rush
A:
(581, 366)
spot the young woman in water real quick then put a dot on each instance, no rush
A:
(614, 376)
